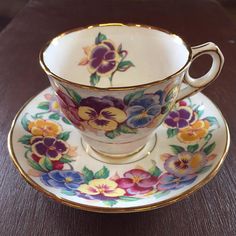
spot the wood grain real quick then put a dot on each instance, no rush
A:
(24, 211)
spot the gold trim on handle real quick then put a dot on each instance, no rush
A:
(60, 79)
(114, 210)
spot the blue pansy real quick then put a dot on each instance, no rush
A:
(62, 179)
(143, 110)
(169, 181)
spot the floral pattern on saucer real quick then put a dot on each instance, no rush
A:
(51, 157)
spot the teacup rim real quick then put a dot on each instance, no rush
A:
(131, 87)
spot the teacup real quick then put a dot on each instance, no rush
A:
(116, 83)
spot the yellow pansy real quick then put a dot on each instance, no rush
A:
(44, 128)
(194, 132)
(104, 187)
(107, 119)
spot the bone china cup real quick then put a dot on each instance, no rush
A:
(116, 83)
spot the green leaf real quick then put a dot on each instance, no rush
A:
(128, 199)
(35, 165)
(88, 174)
(45, 163)
(110, 203)
(204, 169)
(207, 150)
(74, 95)
(102, 174)
(124, 65)
(200, 113)
(94, 79)
(208, 137)
(54, 116)
(212, 120)
(43, 105)
(64, 136)
(177, 149)
(25, 139)
(171, 132)
(101, 37)
(66, 121)
(112, 134)
(154, 170)
(69, 193)
(192, 148)
(65, 159)
(170, 95)
(126, 129)
(132, 96)
(25, 122)
(161, 194)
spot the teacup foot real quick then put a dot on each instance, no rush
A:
(119, 159)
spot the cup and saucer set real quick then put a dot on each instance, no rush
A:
(123, 127)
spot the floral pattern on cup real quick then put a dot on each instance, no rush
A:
(104, 113)
(116, 116)
(50, 156)
(103, 59)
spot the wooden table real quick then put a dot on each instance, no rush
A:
(24, 211)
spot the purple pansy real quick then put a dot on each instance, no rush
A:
(185, 163)
(181, 118)
(168, 181)
(137, 181)
(102, 113)
(103, 58)
(62, 179)
(143, 110)
(50, 147)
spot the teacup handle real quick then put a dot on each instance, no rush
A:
(196, 85)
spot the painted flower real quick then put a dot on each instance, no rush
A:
(69, 108)
(53, 103)
(181, 118)
(56, 164)
(185, 163)
(142, 111)
(168, 181)
(102, 58)
(105, 187)
(137, 181)
(50, 147)
(194, 132)
(62, 179)
(42, 127)
(104, 113)
(169, 94)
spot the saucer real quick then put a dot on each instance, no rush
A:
(50, 155)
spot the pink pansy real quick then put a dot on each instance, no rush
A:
(137, 181)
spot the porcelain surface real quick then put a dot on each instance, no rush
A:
(187, 152)
(116, 83)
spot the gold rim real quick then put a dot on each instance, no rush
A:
(60, 79)
(114, 210)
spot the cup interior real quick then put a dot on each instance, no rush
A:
(149, 55)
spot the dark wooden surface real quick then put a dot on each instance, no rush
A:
(24, 211)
